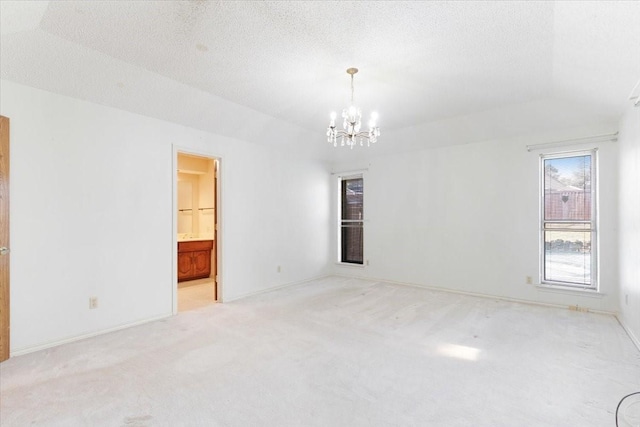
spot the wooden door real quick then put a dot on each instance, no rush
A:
(4, 238)
(214, 251)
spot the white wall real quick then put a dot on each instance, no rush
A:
(92, 215)
(629, 224)
(465, 218)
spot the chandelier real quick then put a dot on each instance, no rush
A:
(351, 134)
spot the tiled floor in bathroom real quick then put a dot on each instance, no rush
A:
(195, 294)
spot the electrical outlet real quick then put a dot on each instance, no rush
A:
(626, 299)
(93, 303)
(529, 280)
(367, 262)
(279, 269)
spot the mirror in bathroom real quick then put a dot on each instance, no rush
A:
(196, 198)
(185, 205)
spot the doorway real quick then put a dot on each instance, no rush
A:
(196, 209)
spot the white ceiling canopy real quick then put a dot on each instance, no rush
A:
(436, 65)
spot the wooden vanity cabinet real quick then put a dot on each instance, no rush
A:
(194, 260)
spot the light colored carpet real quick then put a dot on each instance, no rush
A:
(335, 352)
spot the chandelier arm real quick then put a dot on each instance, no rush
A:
(361, 134)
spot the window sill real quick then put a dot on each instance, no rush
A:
(350, 265)
(545, 287)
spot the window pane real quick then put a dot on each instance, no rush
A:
(567, 256)
(567, 188)
(352, 198)
(351, 240)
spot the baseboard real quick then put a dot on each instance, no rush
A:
(26, 350)
(479, 295)
(629, 332)
(275, 288)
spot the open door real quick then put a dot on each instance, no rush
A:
(4, 238)
(215, 231)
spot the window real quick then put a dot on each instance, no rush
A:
(568, 220)
(351, 220)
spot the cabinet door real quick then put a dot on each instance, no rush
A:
(185, 265)
(202, 263)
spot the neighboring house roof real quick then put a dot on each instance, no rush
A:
(554, 184)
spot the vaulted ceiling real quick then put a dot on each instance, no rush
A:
(437, 73)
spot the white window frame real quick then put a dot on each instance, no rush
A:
(594, 285)
(340, 178)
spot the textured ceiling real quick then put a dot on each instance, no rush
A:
(435, 65)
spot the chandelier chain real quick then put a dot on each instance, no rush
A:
(351, 89)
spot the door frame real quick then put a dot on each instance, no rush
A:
(219, 281)
(5, 280)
